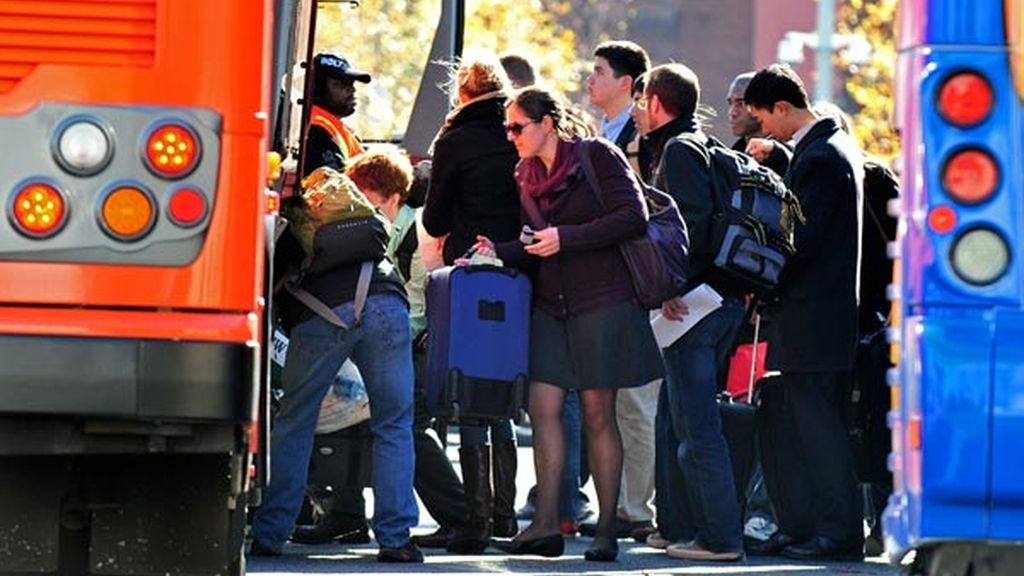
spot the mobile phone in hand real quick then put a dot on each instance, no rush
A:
(527, 236)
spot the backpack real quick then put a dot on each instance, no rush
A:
(337, 227)
(754, 216)
(658, 261)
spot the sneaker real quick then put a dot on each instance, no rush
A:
(692, 550)
(658, 541)
(260, 549)
(407, 554)
(759, 528)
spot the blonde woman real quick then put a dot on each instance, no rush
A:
(473, 192)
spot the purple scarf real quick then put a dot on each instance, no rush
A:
(536, 181)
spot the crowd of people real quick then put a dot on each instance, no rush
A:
(605, 400)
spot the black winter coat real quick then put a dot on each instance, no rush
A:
(814, 325)
(472, 183)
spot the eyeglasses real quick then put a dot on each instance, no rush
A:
(640, 102)
(517, 129)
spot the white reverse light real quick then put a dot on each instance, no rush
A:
(83, 147)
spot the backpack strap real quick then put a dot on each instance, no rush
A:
(323, 310)
(588, 170)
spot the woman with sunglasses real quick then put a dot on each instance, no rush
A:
(587, 331)
(473, 192)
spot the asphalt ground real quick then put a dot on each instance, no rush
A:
(634, 558)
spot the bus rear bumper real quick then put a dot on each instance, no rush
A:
(137, 379)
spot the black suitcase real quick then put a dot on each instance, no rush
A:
(738, 429)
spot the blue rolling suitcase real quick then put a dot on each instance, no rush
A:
(478, 322)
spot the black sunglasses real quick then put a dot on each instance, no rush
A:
(517, 129)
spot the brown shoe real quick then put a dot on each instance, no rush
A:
(693, 550)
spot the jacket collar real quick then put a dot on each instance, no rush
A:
(824, 128)
(659, 136)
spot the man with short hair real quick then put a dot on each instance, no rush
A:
(702, 517)
(813, 334)
(329, 141)
(751, 138)
(617, 65)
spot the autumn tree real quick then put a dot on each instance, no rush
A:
(870, 85)
(391, 39)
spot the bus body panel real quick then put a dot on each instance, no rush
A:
(140, 59)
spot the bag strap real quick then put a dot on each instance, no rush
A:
(588, 170)
(533, 214)
(323, 310)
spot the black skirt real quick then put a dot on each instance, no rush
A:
(609, 348)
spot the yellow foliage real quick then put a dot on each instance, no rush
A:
(869, 85)
(391, 39)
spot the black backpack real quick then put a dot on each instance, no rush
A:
(754, 216)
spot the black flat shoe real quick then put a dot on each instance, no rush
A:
(771, 547)
(822, 548)
(547, 546)
(606, 553)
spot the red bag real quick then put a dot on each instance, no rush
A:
(738, 384)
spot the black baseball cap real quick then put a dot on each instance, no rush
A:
(338, 67)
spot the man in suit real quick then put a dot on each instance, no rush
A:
(617, 65)
(813, 336)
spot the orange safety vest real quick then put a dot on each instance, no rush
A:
(342, 136)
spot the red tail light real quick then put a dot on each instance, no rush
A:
(970, 176)
(187, 207)
(965, 99)
(38, 209)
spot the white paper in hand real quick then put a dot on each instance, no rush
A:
(700, 302)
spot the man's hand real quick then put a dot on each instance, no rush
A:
(760, 148)
(674, 309)
(546, 243)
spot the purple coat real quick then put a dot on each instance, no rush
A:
(588, 273)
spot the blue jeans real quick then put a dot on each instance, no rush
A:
(380, 346)
(692, 367)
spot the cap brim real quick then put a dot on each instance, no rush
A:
(358, 75)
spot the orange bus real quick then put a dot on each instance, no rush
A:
(132, 261)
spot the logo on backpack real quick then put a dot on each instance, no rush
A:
(755, 215)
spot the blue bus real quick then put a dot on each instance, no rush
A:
(958, 294)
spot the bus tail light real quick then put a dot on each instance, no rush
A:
(187, 207)
(980, 256)
(942, 219)
(38, 209)
(970, 176)
(172, 150)
(127, 212)
(965, 99)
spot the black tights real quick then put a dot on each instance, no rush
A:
(604, 450)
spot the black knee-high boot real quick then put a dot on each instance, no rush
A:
(475, 535)
(504, 462)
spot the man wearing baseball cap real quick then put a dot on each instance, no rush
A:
(329, 142)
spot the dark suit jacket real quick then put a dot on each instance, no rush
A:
(472, 185)
(814, 325)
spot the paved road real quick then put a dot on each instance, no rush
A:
(634, 559)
